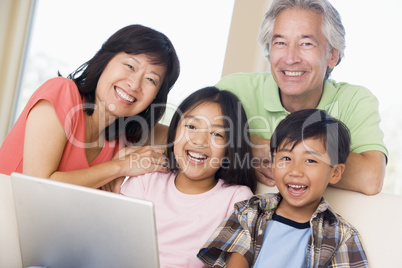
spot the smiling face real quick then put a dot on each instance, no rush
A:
(128, 85)
(200, 145)
(299, 58)
(302, 175)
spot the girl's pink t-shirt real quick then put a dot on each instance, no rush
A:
(184, 222)
(63, 94)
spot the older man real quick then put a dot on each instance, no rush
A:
(304, 41)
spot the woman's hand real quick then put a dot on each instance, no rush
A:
(136, 161)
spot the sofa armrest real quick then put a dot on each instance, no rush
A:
(10, 253)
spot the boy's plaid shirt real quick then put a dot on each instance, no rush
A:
(333, 243)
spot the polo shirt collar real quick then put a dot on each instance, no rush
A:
(271, 96)
(273, 101)
(328, 96)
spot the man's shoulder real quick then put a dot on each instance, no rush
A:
(343, 88)
(242, 79)
(350, 97)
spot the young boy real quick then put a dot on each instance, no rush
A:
(295, 227)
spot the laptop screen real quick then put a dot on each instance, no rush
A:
(64, 225)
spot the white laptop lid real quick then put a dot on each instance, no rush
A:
(64, 226)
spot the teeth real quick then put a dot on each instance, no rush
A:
(124, 96)
(296, 186)
(197, 156)
(293, 73)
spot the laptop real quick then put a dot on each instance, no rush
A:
(66, 226)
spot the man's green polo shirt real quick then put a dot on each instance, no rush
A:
(354, 105)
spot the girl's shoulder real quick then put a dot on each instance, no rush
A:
(241, 191)
(151, 178)
(139, 186)
(159, 175)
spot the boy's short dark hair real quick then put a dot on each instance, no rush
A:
(313, 123)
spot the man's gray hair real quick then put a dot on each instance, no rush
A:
(332, 27)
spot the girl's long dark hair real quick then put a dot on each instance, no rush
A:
(133, 39)
(237, 169)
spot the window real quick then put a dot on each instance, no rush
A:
(65, 34)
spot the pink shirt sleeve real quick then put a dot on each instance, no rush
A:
(242, 193)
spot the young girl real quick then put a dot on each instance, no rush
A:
(208, 152)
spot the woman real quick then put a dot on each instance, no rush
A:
(72, 128)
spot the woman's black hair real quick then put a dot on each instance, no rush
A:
(133, 39)
(317, 124)
(236, 169)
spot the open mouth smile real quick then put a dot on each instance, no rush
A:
(124, 95)
(296, 190)
(197, 157)
(293, 74)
